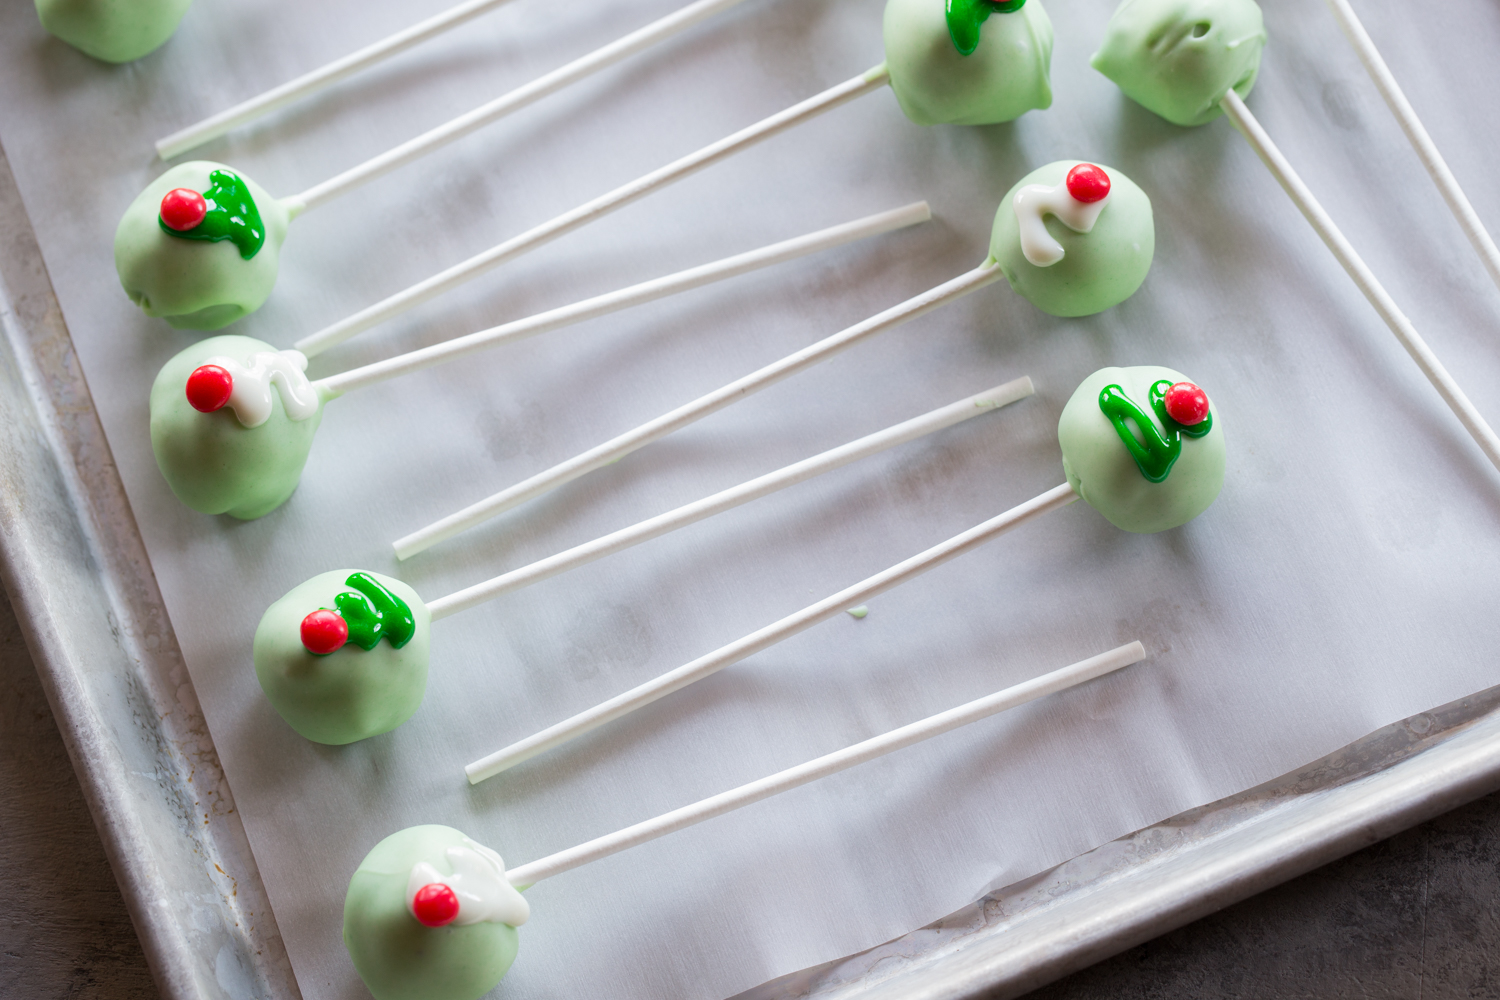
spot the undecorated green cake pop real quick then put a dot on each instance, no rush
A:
(968, 62)
(1179, 58)
(430, 916)
(344, 656)
(1074, 238)
(1143, 447)
(200, 247)
(115, 31)
(232, 423)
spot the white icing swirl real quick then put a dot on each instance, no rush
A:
(484, 894)
(250, 397)
(1034, 202)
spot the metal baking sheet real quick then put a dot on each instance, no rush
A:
(1340, 104)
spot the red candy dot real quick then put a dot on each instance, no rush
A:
(324, 632)
(183, 209)
(209, 387)
(1088, 183)
(1187, 404)
(435, 905)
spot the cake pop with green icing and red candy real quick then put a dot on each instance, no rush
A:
(201, 246)
(344, 656)
(116, 31)
(971, 62)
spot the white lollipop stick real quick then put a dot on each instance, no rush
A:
(791, 475)
(479, 264)
(340, 69)
(600, 305)
(610, 451)
(1427, 150)
(822, 767)
(704, 666)
(1366, 281)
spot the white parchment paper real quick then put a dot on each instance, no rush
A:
(1346, 577)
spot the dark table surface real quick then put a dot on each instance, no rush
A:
(1416, 917)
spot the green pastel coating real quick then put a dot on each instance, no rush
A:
(397, 957)
(1155, 451)
(350, 694)
(232, 215)
(373, 612)
(115, 31)
(214, 463)
(1179, 58)
(1005, 75)
(1100, 269)
(1104, 472)
(192, 284)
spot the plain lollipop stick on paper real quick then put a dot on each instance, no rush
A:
(1142, 445)
(1099, 256)
(173, 263)
(918, 427)
(431, 914)
(320, 79)
(1207, 67)
(224, 447)
(333, 692)
(1416, 134)
(340, 69)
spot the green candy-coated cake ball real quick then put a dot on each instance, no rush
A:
(1179, 58)
(1003, 76)
(397, 957)
(1100, 268)
(115, 31)
(1187, 462)
(212, 461)
(370, 685)
(208, 277)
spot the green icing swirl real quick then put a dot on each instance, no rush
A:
(1107, 475)
(1159, 451)
(373, 613)
(349, 694)
(193, 284)
(965, 17)
(231, 216)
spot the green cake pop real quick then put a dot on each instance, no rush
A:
(1142, 446)
(343, 657)
(115, 31)
(1179, 58)
(200, 247)
(1063, 251)
(968, 62)
(429, 915)
(232, 422)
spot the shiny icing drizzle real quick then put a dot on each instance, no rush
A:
(228, 213)
(373, 612)
(1076, 203)
(478, 887)
(965, 17)
(250, 385)
(1159, 451)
